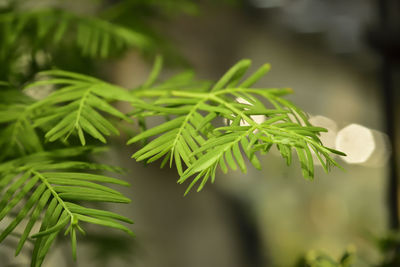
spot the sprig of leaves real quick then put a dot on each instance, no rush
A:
(207, 127)
(77, 106)
(194, 139)
(52, 191)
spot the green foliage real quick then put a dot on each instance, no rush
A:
(81, 98)
(319, 259)
(95, 37)
(193, 135)
(17, 136)
(47, 185)
(46, 177)
(388, 246)
(33, 39)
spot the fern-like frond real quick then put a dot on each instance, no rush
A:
(43, 189)
(95, 37)
(194, 137)
(197, 141)
(17, 136)
(78, 106)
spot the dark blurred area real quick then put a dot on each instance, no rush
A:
(342, 60)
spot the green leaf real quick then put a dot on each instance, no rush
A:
(154, 152)
(56, 228)
(18, 197)
(88, 194)
(34, 216)
(104, 222)
(223, 166)
(95, 212)
(95, 101)
(238, 156)
(99, 121)
(73, 242)
(112, 92)
(249, 153)
(90, 129)
(201, 164)
(233, 75)
(24, 211)
(157, 66)
(13, 188)
(79, 183)
(66, 122)
(229, 159)
(84, 176)
(304, 164)
(169, 125)
(264, 69)
(42, 244)
(156, 146)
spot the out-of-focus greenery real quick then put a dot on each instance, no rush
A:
(39, 34)
(388, 247)
(319, 259)
(73, 35)
(58, 34)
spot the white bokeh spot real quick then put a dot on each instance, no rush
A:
(363, 145)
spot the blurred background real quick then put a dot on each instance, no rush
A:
(340, 59)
